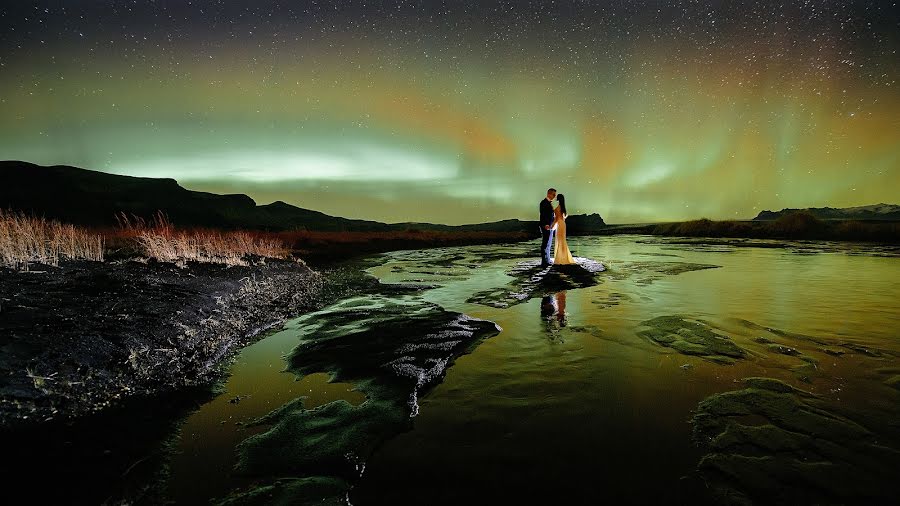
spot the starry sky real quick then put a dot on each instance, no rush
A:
(466, 111)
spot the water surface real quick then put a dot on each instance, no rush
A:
(571, 399)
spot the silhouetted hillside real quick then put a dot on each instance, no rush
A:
(874, 212)
(92, 198)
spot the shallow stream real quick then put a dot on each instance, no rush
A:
(580, 386)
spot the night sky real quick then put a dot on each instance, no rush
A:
(466, 111)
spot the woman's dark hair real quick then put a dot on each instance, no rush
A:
(562, 202)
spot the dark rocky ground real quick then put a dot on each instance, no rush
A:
(81, 337)
(100, 362)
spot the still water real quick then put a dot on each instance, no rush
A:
(571, 399)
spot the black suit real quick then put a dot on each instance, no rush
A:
(546, 210)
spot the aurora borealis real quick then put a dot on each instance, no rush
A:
(460, 112)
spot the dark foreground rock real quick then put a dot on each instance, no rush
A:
(82, 337)
(393, 348)
(770, 443)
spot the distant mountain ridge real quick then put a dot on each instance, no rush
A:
(93, 198)
(872, 212)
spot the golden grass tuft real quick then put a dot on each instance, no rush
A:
(160, 240)
(26, 239)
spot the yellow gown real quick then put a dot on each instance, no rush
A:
(561, 253)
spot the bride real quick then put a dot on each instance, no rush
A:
(561, 253)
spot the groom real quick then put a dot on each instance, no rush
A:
(546, 221)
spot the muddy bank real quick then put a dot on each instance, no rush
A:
(82, 337)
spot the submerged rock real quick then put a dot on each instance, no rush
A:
(691, 338)
(807, 369)
(646, 272)
(893, 376)
(893, 381)
(612, 299)
(318, 490)
(587, 329)
(770, 443)
(393, 349)
(334, 439)
(864, 350)
(783, 350)
(441, 265)
(400, 343)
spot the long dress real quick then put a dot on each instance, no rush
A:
(561, 253)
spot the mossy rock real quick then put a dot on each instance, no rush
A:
(771, 443)
(808, 370)
(394, 343)
(864, 350)
(691, 338)
(783, 350)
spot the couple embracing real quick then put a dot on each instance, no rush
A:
(553, 219)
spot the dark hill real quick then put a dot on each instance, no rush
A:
(87, 197)
(888, 212)
(92, 198)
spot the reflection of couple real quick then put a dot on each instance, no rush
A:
(553, 311)
(553, 219)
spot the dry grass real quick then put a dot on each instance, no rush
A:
(26, 239)
(160, 240)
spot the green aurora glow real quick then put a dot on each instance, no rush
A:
(651, 128)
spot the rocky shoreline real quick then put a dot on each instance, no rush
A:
(82, 337)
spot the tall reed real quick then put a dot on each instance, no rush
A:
(160, 240)
(26, 240)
